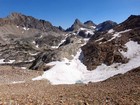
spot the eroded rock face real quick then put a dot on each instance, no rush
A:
(22, 53)
(67, 50)
(89, 24)
(21, 26)
(132, 22)
(23, 37)
(19, 19)
(76, 25)
(106, 47)
(106, 25)
(95, 54)
(84, 34)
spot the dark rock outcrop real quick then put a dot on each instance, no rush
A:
(132, 22)
(61, 29)
(83, 34)
(95, 54)
(106, 25)
(48, 40)
(90, 24)
(66, 50)
(105, 48)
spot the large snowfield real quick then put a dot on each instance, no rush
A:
(74, 71)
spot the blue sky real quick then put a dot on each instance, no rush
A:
(64, 12)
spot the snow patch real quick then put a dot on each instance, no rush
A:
(34, 42)
(118, 34)
(16, 82)
(24, 68)
(33, 54)
(62, 41)
(74, 71)
(88, 31)
(133, 50)
(40, 36)
(37, 46)
(99, 39)
(111, 31)
(10, 61)
(25, 28)
(93, 27)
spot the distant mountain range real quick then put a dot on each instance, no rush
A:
(32, 43)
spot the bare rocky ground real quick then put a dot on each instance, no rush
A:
(118, 90)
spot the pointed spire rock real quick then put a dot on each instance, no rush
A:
(77, 21)
(76, 25)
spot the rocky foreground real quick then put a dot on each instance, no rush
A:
(118, 90)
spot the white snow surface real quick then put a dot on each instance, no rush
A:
(133, 50)
(99, 39)
(111, 31)
(25, 28)
(37, 46)
(33, 54)
(117, 34)
(24, 68)
(34, 42)
(2, 61)
(17, 82)
(88, 31)
(93, 27)
(74, 71)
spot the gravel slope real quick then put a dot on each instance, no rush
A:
(118, 90)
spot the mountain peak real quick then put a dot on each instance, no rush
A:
(133, 16)
(106, 25)
(89, 23)
(77, 21)
(133, 21)
(14, 15)
(22, 20)
(76, 25)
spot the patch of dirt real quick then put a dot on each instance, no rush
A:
(118, 90)
(9, 74)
